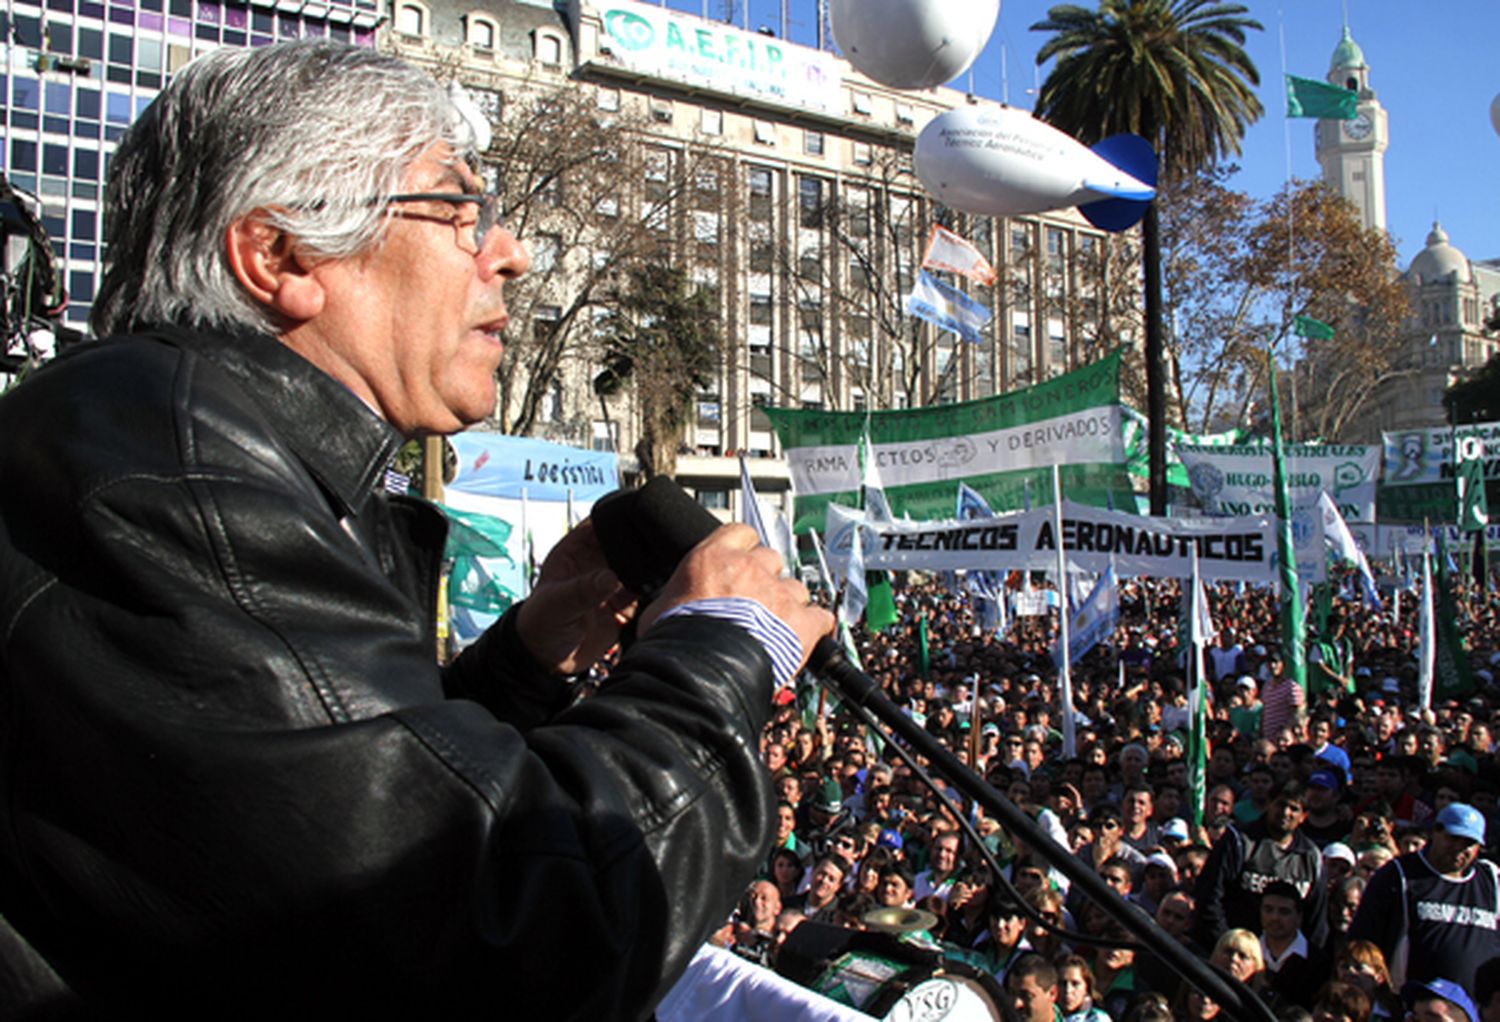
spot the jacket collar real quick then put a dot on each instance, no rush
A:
(343, 443)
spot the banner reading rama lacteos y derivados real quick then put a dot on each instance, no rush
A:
(1002, 446)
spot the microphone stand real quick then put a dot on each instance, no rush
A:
(854, 686)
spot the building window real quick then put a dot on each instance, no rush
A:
(544, 320)
(607, 99)
(760, 310)
(812, 143)
(661, 110)
(544, 249)
(716, 499)
(706, 227)
(548, 49)
(411, 19)
(861, 102)
(711, 122)
(862, 154)
(552, 402)
(905, 114)
(810, 201)
(604, 435)
(765, 132)
(481, 31)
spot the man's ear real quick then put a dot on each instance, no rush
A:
(264, 260)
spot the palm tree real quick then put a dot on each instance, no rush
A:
(1174, 72)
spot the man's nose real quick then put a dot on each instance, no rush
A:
(503, 255)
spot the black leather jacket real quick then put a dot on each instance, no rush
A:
(234, 779)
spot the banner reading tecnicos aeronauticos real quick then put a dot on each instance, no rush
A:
(1236, 479)
(1234, 549)
(1003, 447)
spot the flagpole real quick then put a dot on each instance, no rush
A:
(525, 549)
(1064, 670)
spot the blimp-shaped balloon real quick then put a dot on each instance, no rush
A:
(999, 161)
(913, 44)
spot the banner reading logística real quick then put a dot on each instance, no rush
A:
(1234, 549)
(1002, 446)
(1236, 480)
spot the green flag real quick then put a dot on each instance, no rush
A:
(1306, 97)
(1452, 676)
(472, 536)
(924, 655)
(1312, 329)
(880, 610)
(1294, 654)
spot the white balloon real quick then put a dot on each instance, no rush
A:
(913, 44)
(1495, 114)
(994, 160)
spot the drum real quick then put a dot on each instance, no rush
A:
(888, 977)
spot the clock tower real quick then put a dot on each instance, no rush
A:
(1352, 153)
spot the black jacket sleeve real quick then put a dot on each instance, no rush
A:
(1381, 917)
(1220, 871)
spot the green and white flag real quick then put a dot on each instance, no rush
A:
(999, 446)
(1200, 632)
(1468, 457)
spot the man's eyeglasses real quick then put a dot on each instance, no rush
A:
(470, 235)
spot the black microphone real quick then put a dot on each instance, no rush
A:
(646, 533)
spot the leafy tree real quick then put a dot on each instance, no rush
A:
(1237, 273)
(662, 336)
(1174, 72)
(594, 201)
(1476, 399)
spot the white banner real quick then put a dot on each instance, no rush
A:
(720, 57)
(1236, 480)
(1078, 437)
(1095, 539)
(1426, 455)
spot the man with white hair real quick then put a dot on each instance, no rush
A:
(235, 779)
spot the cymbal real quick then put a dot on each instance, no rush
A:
(899, 920)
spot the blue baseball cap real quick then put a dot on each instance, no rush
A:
(890, 839)
(1461, 821)
(1444, 988)
(1324, 779)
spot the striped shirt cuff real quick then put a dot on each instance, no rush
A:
(774, 634)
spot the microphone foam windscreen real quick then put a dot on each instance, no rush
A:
(645, 533)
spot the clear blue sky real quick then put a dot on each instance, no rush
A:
(1435, 67)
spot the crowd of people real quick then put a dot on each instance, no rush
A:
(1337, 866)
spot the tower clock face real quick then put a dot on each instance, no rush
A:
(1359, 129)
